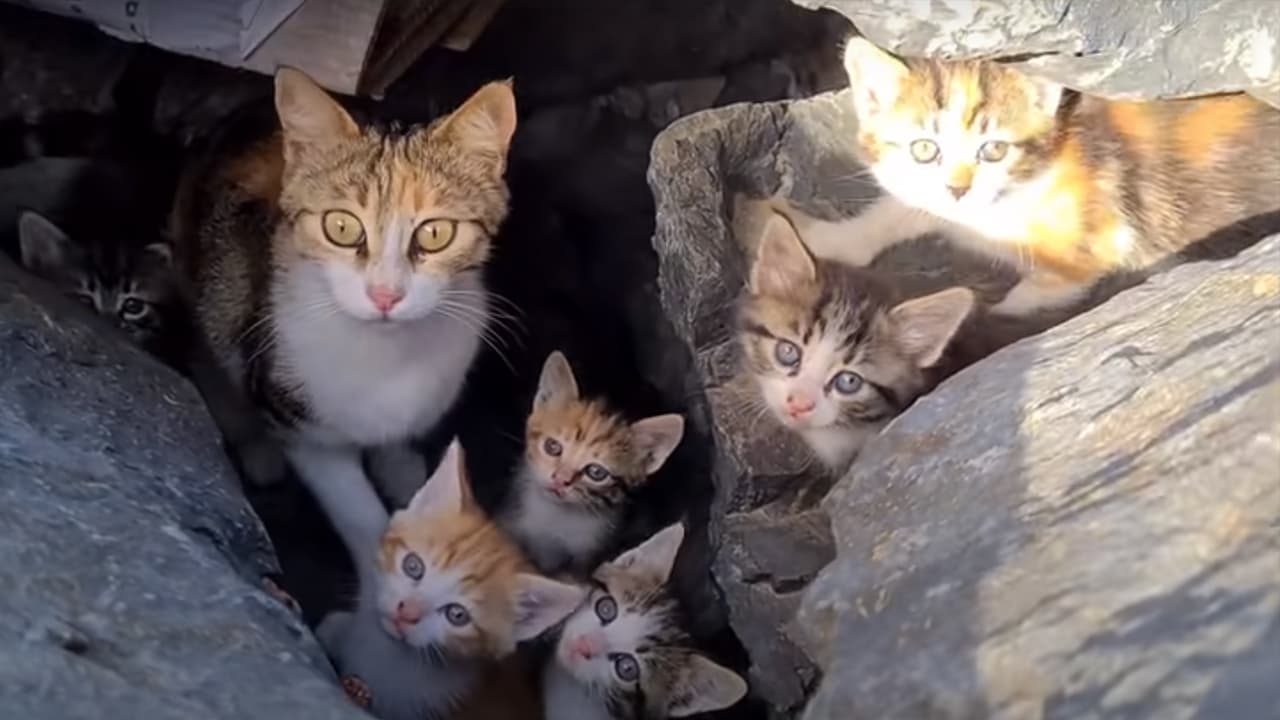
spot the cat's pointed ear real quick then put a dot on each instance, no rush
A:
(875, 76)
(657, 437)
(782, 262)
(1046, 94)
(159, 252)
(308, 116)
(654, 557)
(556, 384)
(43, 244)
(925, 326)
(541, 603)
(448, 490)
(703, 685)
(486, 121)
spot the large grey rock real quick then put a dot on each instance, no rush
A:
(1174, 48)
(708, 172)
(1086, 524)
(131, 564)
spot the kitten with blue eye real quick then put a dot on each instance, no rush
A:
(624, 655)
(833, 354)
(435, 633)
(336, 269)
(581, 465)
(125, 280)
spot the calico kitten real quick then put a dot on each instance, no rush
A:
(434, 634)
(125, 279)
(581, 464)
(336, 271)
(623, 654)
(832, 353)
(1069, 188)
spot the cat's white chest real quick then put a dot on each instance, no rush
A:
(368, 383)
(553, 533)
(564, 698)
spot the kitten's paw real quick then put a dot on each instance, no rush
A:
(358, 691)
(1038, 293)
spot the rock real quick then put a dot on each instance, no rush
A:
(707, 171)
(1134, 50)
(131, 564)
(1082, 525)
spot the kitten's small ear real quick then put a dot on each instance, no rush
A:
(486, 121)
(556, 384)
(782, 261)
(1046, 94)
(657, 437)
(159, 252)
(43, 244)
(875, 76)
(448, 490)
(542, 602)
(308, 115)
(925, 326)
(654, 557)
(704, 686)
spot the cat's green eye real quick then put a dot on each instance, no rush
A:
(925, 151)
(456, 614)
(342, 228)
(786, 353)
(626, 667)
(413, 566)
(847, 383)
(433, 236)
(596, 472)
(993, 151)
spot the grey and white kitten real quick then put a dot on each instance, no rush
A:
(624, 655)
(833, 354)
(126, 280)
(337, 274)
(581, 464)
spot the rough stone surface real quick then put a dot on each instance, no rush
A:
(130, 562)
(1132, 50)
(1086, 524)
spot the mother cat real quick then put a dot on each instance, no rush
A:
(335, 270)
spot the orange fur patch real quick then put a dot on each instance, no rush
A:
(1213, 120)
(1133, 120)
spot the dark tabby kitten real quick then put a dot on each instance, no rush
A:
(126, 280)
(834, 356)
(624, 655)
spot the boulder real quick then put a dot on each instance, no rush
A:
(1082, 525)
(1123, 50)
(133, 568)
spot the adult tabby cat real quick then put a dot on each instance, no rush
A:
(1069, 188)
(335, 270)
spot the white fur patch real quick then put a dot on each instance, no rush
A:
(554, 535)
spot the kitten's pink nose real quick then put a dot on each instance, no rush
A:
(958, 191)
(384, 298)
(407, 614)
(584, 647)
(799, 405)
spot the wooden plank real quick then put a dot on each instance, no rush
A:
(327, 39)
(421, 24)
(468, 30)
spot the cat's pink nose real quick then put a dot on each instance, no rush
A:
(584, 647)
(408, 613)
(958, 191)
(384, 298)
(799, 405)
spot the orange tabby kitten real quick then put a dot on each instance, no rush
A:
(1069, 187)
(582, 462)
(435, 635)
